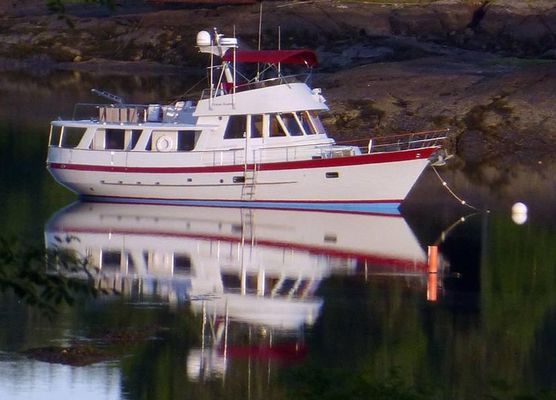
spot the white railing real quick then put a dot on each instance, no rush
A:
(409, 141)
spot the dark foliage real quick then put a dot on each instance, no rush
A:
(45, 279)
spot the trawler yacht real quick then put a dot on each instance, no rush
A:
(254, 142)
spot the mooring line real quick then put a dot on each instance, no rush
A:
(445, 184)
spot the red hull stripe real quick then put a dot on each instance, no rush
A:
(376, 158)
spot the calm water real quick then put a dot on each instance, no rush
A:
(254, 304)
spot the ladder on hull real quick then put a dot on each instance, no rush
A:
(249, 182)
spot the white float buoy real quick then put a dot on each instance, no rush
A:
(519, 213)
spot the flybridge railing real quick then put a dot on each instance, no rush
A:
(409, 141)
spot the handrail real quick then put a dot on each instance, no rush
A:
(414, 140)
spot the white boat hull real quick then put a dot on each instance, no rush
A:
(371, 180)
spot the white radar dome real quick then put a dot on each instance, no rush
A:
(203, 38)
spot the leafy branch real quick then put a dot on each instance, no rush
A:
(47, 278)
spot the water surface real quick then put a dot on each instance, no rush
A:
(253, 304)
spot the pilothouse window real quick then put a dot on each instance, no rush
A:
(256, 126)
(291, 124)
(275, 127)
(316, 122)
(306, 123)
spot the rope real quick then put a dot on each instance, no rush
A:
(445, 184)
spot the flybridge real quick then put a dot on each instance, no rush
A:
(219, 45)
(227, 81)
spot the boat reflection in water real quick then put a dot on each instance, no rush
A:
(239, 268)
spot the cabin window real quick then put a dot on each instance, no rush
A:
(305, 120)
(236, 128)
(182, 264)
(275, 129)
(115, 139)
(187, 140)
(71, 136)
(291, 124)
(256, 126)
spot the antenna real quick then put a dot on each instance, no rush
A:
(260, 33)
(279, 48)
(260, 22)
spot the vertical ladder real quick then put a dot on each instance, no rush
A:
(249, 182)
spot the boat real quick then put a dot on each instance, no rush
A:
(255, 142)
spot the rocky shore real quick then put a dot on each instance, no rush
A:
(484, 69)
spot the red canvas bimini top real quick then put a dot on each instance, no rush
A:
(302, 57)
